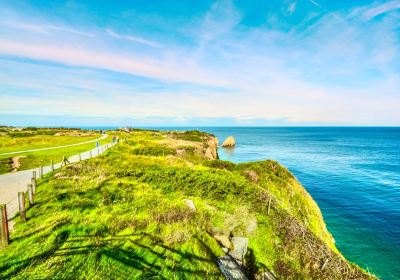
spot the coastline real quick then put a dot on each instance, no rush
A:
(151, 171)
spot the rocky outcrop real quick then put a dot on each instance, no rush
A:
(189, 203)
(240, 245)
(229, 142)
(211, 148)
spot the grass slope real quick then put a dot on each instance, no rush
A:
(122, 216)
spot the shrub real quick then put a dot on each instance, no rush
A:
(153, 151)
(19, 134)
(220, 164)
(191, 135)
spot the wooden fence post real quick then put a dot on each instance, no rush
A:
(80, 157)
(34, 184)
(41, 172)
(34, 174)
(21, 203)
(90, 154)
(52, 165)
(31, 195)
(4, 235)
(269, 205)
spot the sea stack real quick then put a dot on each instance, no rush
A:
(229, 142)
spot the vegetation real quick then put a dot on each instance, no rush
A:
(122, 216)
(191, 135)
(12, 140)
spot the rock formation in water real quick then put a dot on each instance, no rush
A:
(229, 142)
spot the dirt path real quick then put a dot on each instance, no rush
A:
(15, 164)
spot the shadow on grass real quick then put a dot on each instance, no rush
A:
(39, 258)
(143, 258)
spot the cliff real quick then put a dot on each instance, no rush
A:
(125, 215)
(210, 149)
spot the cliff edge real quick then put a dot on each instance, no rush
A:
(125, 215)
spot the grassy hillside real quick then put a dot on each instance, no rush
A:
(122, 216)
(12, 140)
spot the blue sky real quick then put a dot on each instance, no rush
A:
(291, 62)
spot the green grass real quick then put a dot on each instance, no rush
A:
(122, 215)
(26, 140)
(41, 138)
(32, 160)
(11, 144)
(191, 135)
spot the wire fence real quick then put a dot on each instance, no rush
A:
(10, 210)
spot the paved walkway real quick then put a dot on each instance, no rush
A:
(12, 183)
(55, 147)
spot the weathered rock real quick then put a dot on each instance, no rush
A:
(190, 204)
(266, 275)
(229, 142)
(239, 248)
(223, 240)
(180, 152)
(211, 149)
(251, 225)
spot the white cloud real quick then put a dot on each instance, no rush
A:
(379, 9)
(132, 38)
(292, 7)
(315, 3)
(123, 63)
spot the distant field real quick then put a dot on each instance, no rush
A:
(9, 144)
(12, 140)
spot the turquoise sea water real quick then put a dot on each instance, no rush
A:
(352, 173)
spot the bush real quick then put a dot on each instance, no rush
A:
(5, 165)
(153, 151)
(30, 128)
(191, 135)
(220, 164)
(19, 134)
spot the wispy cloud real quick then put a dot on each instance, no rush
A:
(124, 63)
(292, 7)
(315, 3)
(379, 9)
(132, 38)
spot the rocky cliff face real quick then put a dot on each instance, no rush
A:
(210, 149)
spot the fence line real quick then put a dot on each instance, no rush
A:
(10, 209)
